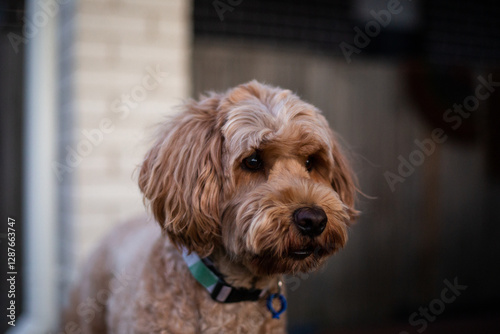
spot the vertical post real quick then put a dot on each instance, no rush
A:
(40, 213)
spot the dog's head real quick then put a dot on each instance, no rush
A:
(255, 172)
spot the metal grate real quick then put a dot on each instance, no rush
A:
(11, 15)
(315, 23)
(449, 32)
(463, 32)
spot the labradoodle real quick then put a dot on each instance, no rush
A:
(244, 186)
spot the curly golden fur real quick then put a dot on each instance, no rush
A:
(253, 178)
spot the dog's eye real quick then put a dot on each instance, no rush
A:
(253, 162)
(309, 164)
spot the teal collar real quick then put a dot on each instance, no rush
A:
(213, 281)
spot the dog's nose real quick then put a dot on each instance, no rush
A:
(310, 221)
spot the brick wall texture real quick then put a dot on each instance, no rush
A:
(130, 68)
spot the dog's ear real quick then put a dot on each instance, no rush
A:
(181, 176)
(343, 179)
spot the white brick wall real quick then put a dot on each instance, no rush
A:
(115, 42)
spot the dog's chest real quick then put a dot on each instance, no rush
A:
(243, 317)
(168, 299)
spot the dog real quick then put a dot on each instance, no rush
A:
(245, 186)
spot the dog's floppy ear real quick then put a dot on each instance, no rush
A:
(181, 176)
(343, 179)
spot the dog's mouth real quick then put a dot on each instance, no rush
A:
(298, 258)
(301, 254)
(311, 250)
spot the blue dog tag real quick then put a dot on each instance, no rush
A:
(276, 314)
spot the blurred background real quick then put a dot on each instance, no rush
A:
(411, 86)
